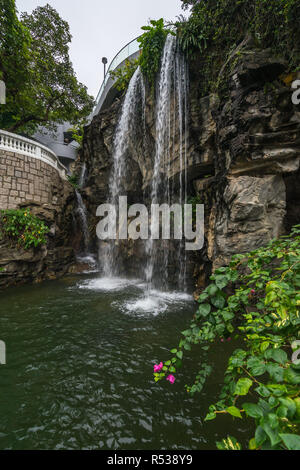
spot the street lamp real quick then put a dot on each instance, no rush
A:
(2, 92)
(104, 62)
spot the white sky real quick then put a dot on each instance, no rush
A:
(102, 27)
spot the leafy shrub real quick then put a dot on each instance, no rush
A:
(77, 133)
(216, 27)
(23, 228)
(73, 180)
(152, 43)
(261, 381)
(124, 74)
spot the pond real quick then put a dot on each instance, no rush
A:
(80, 356)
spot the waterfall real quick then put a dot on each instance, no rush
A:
(181, 86)
(85, 256)
(171, 140)
(82, 176)
(163, 109)
(171, 118)
(82, 216)
(124, 131)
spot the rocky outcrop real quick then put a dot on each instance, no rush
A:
(243, 158)
(257, 154)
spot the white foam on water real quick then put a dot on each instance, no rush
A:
(153, 302)
(148, 305)
(172, 296)
(106, 284)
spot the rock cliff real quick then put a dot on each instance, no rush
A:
(243, 155)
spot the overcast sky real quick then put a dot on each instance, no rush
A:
(102, 27)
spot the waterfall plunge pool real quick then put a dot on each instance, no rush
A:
(80, 356)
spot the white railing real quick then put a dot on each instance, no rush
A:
(23, 146)
(126, 52)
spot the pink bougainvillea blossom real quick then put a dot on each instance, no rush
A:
(171, 379)
(158, 367)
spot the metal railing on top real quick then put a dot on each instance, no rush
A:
(131, 48)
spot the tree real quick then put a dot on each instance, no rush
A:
(187, 3)
(14, 56)
(52, 93)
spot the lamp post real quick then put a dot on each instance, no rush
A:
(2, 92)
(104, 62)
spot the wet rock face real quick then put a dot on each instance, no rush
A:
(254, 214)
(243, 159)
(257, 155)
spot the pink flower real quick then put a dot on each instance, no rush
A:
(158, 367)
(252, 291)
(228, 339)
(222, 340)
(171, 379)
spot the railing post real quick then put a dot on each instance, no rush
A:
(38, 152)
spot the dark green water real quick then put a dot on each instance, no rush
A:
(80, 356)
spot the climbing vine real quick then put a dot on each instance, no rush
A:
(256, 298)
(124, 74)
(152, 43)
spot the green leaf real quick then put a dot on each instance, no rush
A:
(260, 436)
(291, 376)
(278, 355)
(210, 416)
(204, 309)
(234, 411)
(179, 354)
(271, 433)
(257, 366)
(212, 289)
(290, 405)
(291, 441)
(221, 281)
(243, 386)
(276, 372)
(252, 410)
(252, 444)
(218, 301)
(203, 297)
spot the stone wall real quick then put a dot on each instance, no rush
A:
(26, 182)
(24, 179)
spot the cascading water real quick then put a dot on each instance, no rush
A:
(82, 216)
(182, 85)
(171, 118)
(163, 109)
(82, 177)
(125, 129)
(84, 256)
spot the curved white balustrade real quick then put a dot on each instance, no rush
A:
(126, 52)
(23, 146)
